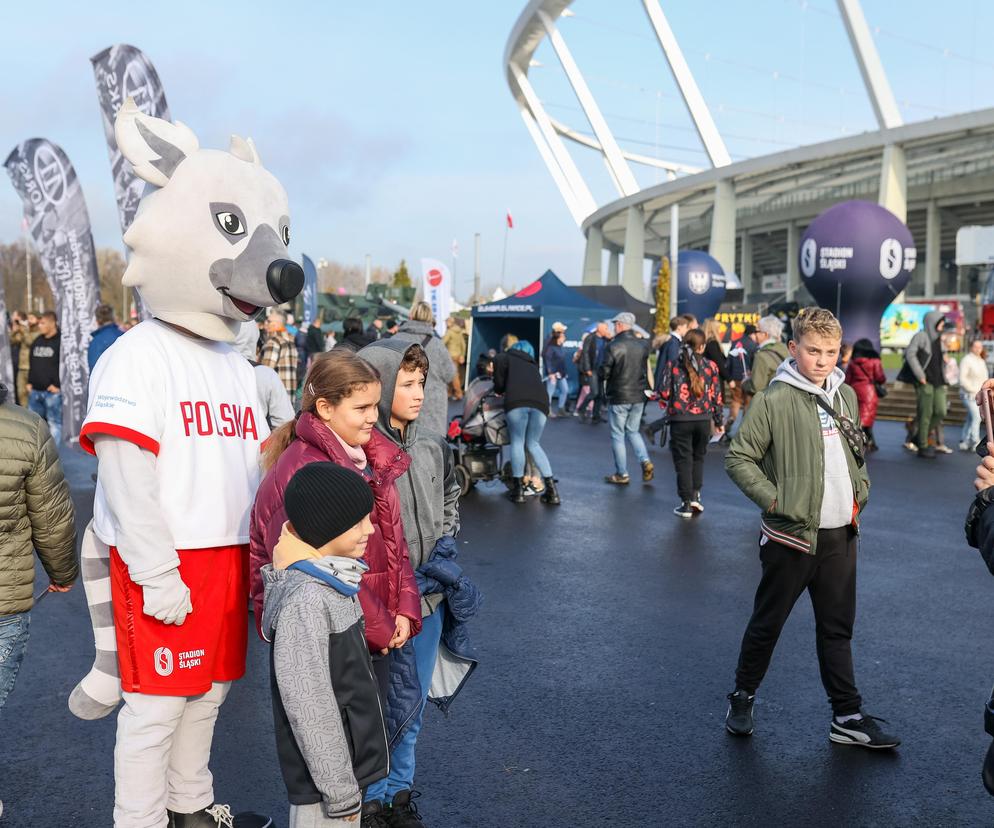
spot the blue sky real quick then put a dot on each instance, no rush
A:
(392, 127)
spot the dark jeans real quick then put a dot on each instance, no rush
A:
(689, 444)
(830, 578)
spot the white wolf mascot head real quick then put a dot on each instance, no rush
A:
(209, 245)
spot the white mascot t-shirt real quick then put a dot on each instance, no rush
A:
(194, 404)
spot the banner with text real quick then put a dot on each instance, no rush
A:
(124, 72)
(59, 225)
(310, 292)
(437, 289)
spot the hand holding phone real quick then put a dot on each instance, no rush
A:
(987, 407)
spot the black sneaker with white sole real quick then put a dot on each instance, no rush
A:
(696, 504)
(863, 732)
(738, 720)
(684, 510)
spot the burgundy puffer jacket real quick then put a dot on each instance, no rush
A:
(388, 589)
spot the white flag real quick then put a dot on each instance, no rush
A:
(437, 288)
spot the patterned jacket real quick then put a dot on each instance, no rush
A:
(279, 352)
(680, 400)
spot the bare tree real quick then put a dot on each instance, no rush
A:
(110, 266)
(13, 269)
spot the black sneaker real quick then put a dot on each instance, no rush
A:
(404, 813)
(374, 815)
(863, 732)
(217, 816)
(696, 503)
(684, 510)
(738, 720)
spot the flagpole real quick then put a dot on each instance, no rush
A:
(503, 258)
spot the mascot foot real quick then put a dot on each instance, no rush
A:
(218, 816)
(84, 706)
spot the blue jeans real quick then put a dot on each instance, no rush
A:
(13, 643)
(401, 776)
(625, 420)
(971, 428)
(525, 426)
(562, 384)
(48, 406)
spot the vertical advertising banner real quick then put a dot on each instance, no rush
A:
(437, 289)
(124, 72)
(310, 291)
(59, 224)
(6, 363)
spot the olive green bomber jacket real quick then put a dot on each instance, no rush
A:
(36, 511)
(777, 459)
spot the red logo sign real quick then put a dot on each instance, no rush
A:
(434, 277)
(529, 290)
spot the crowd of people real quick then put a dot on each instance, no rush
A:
(352, 571)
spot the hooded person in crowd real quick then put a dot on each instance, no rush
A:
(923, 368)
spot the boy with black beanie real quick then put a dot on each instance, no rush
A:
(330, 732)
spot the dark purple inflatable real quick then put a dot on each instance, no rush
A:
(700, 284)
(854, 259)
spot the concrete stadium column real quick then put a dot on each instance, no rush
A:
(592, 257)
(793, 271)
(933, 242)
(894, 182)
(745, 268)
(612, 268)
(631, 273)
(722, 245)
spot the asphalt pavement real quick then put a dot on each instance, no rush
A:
(608, 640)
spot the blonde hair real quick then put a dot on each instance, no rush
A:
(421, 312)
(712, 329)
(817, 321)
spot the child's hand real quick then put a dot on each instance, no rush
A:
(401, 632)
(352, 818)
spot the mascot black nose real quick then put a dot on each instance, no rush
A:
(285, 279)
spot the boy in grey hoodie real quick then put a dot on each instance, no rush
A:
(429, 503)
(330, 734)
(791, 458)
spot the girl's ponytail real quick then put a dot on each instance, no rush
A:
(688, 354)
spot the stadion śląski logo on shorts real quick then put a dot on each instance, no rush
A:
(163, 659)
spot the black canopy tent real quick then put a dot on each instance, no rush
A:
(615, 296)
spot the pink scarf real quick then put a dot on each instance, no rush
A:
(355, 453)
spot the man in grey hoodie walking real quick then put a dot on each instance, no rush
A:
(923, 369)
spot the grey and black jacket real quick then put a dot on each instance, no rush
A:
(429, 492)
(919, 351)
(330, 732)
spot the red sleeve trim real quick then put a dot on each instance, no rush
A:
(112, 430)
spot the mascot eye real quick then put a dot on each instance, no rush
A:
(286, 235)
(231, 224)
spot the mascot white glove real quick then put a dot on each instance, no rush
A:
(167, 598)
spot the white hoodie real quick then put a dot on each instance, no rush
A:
(837, 501)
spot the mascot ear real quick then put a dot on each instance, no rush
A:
(153, 146)
(244, 150)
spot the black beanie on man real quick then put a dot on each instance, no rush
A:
(325, 500)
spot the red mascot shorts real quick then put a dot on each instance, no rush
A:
(169, 660)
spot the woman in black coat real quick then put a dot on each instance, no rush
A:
(526, 407)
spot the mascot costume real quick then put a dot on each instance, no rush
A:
(175, 423)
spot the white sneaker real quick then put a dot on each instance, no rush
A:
(944, 449)
(965, 447)
(911, 446)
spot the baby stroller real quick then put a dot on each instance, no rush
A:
(476, 436)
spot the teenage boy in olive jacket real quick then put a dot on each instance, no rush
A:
(791, 459)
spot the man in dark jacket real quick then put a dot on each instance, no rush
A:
(36, 515)
(353, 336)
(104, 336)
(44, 386)
(923, 368)
(591, 360)
(625, 374)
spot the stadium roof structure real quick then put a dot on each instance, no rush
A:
(935, 175)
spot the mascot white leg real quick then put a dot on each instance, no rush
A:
(175, 421)
(99, 693)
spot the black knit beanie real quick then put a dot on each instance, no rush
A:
(324, 500)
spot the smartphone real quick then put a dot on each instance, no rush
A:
(988, 400)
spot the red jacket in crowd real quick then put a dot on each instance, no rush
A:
(388, 589)
(861, 373)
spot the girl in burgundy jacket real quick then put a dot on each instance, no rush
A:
(336, 423)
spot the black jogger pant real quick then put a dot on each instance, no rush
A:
(689, 443)
(830, 578)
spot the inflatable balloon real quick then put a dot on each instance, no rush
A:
(700, 284)
(854, 259)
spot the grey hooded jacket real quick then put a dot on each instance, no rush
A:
(429, 492)
(919, 350)
(441, 370)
